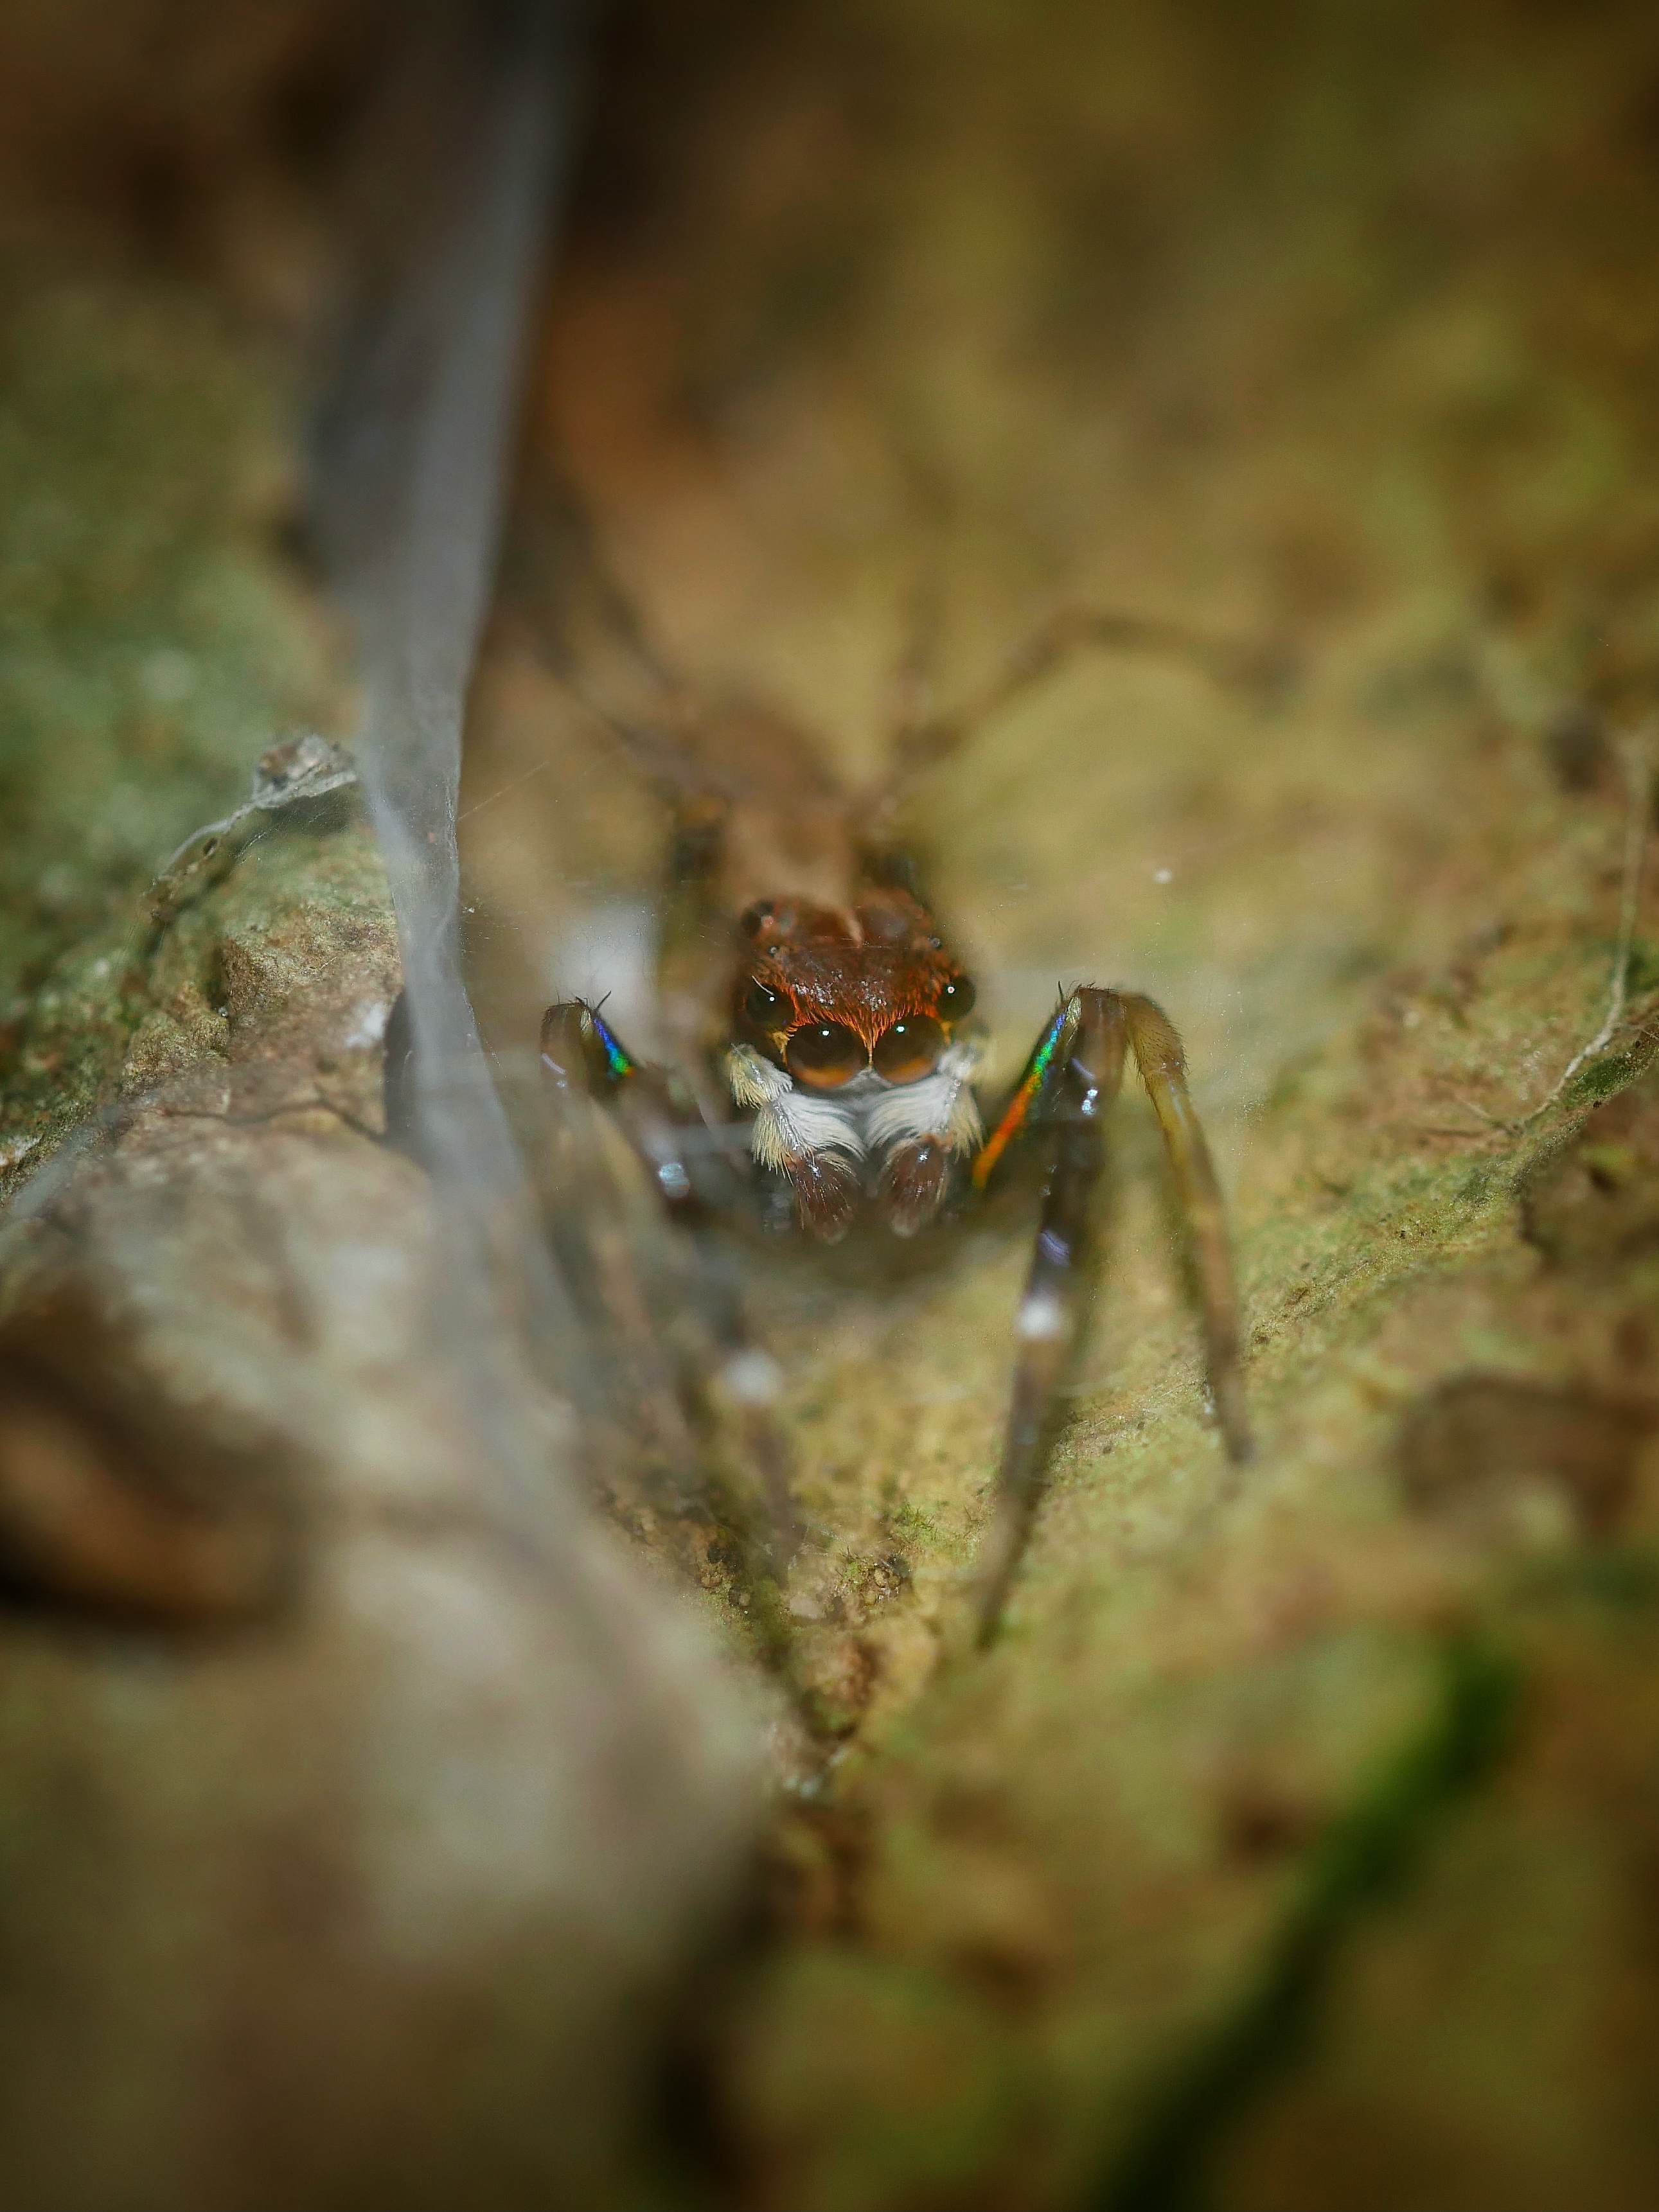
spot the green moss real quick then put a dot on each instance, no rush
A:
(1362, 1863)
(910, 1523)
(151, 644)
(1620, 1580)
(1642, 975)
(1603, 1077)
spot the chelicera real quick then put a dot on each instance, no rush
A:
(823, 1027)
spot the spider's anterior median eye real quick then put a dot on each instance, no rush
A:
(765, 1008)
(824, 1055)
(957, 998)
(910, 1050)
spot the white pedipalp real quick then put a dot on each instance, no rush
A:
(866, 1115)
(941, 1105)
(789, 1125)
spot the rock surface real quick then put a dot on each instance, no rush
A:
(1294, 1846)
(359, 1802)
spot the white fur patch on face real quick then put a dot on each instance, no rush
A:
(866, 1115)
(941, 1105)
(789, 1124)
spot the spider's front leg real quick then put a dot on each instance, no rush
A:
(582, 1054)
(693, 1168)
(1069, 1085)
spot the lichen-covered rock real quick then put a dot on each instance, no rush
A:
(359, 1804)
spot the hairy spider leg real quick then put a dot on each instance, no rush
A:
(1163, 1065)
(693, 1170)
(1069, 1084)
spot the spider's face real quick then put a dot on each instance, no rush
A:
(844, 1050)
(832, 993)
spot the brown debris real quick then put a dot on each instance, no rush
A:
(116, 1500)
(1494, 1450)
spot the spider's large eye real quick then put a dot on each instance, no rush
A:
(957, 998)
(910, 1050)
(825, 1055)
(765, 1008)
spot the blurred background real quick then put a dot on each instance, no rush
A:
(1298, 1845)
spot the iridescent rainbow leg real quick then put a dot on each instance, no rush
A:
(1038, 1079)
(1071, 1078)
(1069, 1084)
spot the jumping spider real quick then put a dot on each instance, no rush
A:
(820, 1021)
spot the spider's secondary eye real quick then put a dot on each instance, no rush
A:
(957, 998)
(754, 919)
(764, 1007)
(910, 1050)
(824, 1055)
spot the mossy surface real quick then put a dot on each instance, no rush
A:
(153, 642)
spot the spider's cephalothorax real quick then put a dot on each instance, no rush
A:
(847, 1049)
